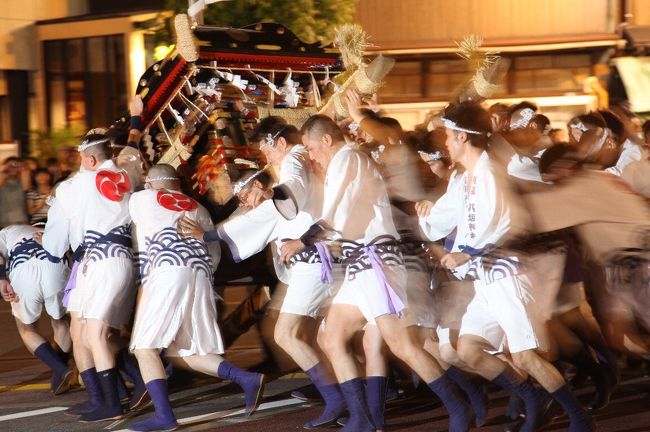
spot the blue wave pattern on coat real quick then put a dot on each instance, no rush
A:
(356, 259)
(26, 249)
(167, 249)
(114, 244)
(415, 253)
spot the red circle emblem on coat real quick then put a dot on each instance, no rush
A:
(112, 185)
(176, 201)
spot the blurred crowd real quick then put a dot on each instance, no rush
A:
(26, 183)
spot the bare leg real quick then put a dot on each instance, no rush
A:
(565, 342)
(283, 361)
(62, 337)
(29, 335)
(81, 351)
(291, 333)
(98, 333)
(151, 367)
(207, 364)
(343, 321)
(401, 343)
(42, 349)
(215, 365)
(540, 369)
(374, 349)
(84, 361)
(427, 338)
(288, 330)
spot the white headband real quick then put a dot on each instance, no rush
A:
(579, 125)
(526, 115)
(269, 140)
(599, 144)
(450, 124)
(86, 143)
(240, 185)
(153, 179)
(435, 156)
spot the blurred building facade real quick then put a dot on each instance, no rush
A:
(560, 51)
(69, 63)
(74, 62)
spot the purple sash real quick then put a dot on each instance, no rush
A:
(72, 283)
(326, 262)
(395, 304)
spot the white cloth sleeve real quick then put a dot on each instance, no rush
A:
(294, 177)
(56, 236)
(444, 216)
(249, 233)
(631, 152)
(4, 248)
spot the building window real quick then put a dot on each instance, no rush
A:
(550, 73)
(439, 79)
(404, 81)
(85, 81)
(445, 77)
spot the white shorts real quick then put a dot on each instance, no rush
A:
(305, 292)
(451, 301)
(105, 291)
(177, 312)
(38, 283)
(338, 274)
(366, 293)
(503, 312)
(421, 300)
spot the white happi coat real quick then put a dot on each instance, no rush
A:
(87, 206)
(267, 223)
(17, 246)
(155, 215)
(90, 213)
(306, 290)
(304, 189)
(631, 152)
(37, 278)
(357, 211)
(486, 214)
(356, 206)
(176, 308)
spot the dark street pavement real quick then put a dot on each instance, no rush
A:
(27, 405)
